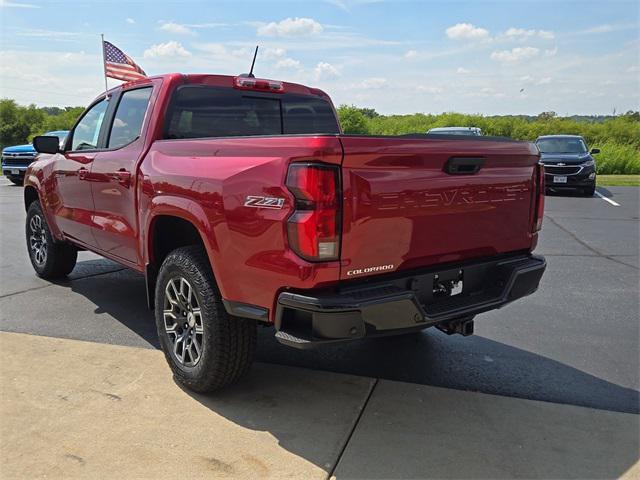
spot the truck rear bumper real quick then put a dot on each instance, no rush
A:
(404, 302)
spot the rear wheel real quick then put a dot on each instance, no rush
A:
(49, 259)
(205, 347)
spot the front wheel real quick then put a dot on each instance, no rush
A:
(589, 191)
(49, 259)
(205, 347)
(16, 180)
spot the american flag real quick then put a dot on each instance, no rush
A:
(120, 66)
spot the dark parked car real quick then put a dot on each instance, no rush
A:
(568, 163)
(16, 159)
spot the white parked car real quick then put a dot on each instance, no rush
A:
(475, 131)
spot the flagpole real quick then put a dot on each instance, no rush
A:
(104, 63)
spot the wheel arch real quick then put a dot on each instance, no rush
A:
(30, 195)
(174, 223)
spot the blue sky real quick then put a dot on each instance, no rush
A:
(516, 57)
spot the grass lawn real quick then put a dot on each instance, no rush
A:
(618, 180)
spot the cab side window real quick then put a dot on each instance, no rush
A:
(86, 133)
(127, 122)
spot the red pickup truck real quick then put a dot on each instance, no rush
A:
(242, 203)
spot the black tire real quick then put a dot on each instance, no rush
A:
(227, 343)
(589, 191)
(59, 258)
(19, 181)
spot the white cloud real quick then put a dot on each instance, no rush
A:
(290, 27)
(324, 69)
(633, 69)
(176, 28)
(551, 52)
(544, 81)
(599, 29)
(515, 54)
(522, 34)
(8, 4)
(271, 53)
(164, 50)
(216, 49)
(411, 54)
(48, 34)
(338, 3)
(130, 21)
(429, 89)
(51, 77)
(288, 63)
(467, 31)
(462, 70)
(373, 82)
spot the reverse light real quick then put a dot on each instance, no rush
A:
(260, 84)
(313, 229)
(539, 212)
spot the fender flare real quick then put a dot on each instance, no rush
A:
(31, 180)
(185, 209)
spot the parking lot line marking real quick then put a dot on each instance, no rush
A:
(615, 204)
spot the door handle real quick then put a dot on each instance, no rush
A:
(463, 165)
(123, 177)
(82, 173)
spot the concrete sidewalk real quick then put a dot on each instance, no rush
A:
(73, 409)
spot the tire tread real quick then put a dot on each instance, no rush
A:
(229, 341)
(61, 256)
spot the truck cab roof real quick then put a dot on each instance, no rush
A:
(230, 81)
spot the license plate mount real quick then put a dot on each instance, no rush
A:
(448, 284)
(559, 179)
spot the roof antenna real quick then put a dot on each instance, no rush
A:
(255, 54)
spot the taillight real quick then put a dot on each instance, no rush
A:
(539, 213)
(313, 228)
(261, 84)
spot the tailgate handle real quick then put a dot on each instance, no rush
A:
(463, 165)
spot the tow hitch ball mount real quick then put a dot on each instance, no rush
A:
(462, 326)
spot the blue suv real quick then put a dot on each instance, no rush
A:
(15, 160)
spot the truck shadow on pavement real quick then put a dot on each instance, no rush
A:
(305, 413)
(429, 357)
(407, 431)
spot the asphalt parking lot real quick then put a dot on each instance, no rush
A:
(367, 409)
(575, 341)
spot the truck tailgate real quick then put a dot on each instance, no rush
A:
(416, 202)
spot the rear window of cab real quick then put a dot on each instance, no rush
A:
(198, 111)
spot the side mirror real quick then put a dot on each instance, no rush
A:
(44, 144)
(594, 150)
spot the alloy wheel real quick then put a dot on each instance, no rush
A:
(38, 240)
(183, 321)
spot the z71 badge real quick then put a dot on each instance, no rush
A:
(263, 202)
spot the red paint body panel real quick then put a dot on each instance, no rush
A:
(399, 207)
(402, 209)
(247, 246)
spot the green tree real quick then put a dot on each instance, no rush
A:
(352, 120)
(62, 121)
(17, 122)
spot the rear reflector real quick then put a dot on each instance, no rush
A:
(539, 214)
(261, 84)
(313, 229)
